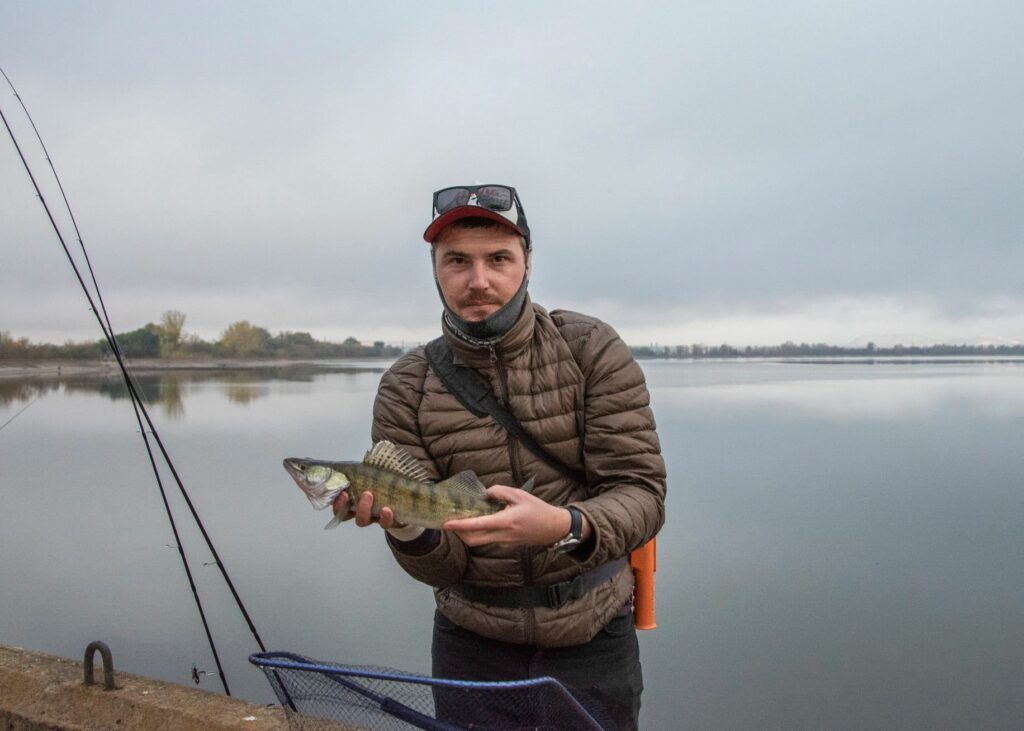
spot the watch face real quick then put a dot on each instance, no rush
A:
(566, 544)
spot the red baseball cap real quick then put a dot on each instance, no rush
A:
(498, 203)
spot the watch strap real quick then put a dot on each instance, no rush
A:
(575, 535)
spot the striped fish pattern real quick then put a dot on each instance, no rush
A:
(398, 482)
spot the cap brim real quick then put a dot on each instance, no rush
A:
(465, 212)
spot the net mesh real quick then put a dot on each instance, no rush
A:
(318, 695)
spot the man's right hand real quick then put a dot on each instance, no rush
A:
(363, 512)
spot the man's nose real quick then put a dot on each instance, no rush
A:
(478, 276)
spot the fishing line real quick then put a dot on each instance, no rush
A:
(134, 392)
(23, 408)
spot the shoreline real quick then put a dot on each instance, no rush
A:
(57, 367)
(64, 368)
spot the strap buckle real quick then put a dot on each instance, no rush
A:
(564, 592)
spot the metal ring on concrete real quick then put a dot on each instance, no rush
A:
(108, 664)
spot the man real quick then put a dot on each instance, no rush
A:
(576, 390)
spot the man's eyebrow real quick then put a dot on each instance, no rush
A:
(465, 255)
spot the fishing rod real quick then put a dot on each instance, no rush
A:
(135, 393)
(137, 403)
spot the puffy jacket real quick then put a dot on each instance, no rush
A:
(575, 387)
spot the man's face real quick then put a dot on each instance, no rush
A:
(478, 269)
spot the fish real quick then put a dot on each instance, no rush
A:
(397, 481)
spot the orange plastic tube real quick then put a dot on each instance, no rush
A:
(644, 562)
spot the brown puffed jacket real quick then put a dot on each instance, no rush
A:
(575, 387)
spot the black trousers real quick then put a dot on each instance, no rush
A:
(604, 674)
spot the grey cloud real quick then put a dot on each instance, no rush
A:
(668, 156)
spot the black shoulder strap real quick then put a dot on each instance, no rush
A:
(475, 393)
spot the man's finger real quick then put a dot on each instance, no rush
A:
(364, 510)
(341, 508)
(484, 522)
(460, 524)
(510, 495)
(481, 538)
(340, 502)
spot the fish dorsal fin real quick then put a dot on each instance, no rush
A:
(465, 483)
(391, 457)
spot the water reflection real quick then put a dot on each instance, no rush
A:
(244, 395)
(169, 389)
(12, 390)
(842, 545)
(843, 391)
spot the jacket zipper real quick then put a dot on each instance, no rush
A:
(526, 565)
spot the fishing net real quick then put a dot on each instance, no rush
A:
(317, 695)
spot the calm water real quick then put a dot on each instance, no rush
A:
(844, 545)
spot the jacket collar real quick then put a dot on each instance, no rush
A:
(478, 355)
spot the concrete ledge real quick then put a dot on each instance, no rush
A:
(45, 693)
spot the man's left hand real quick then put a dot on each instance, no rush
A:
(527, 521)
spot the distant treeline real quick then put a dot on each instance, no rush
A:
(167, 339)
(242, 339)
(792, 350)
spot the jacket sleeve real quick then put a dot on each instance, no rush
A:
(622, 454)
(439, 561)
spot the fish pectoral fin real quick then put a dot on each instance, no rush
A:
(528, 485)
(466, 482)
(333, 522)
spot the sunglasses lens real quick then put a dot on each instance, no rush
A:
(494, 197)
(450, 198)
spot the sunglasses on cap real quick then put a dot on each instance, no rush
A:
(497, 202)
(491, 197)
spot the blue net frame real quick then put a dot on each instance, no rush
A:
(318, 695)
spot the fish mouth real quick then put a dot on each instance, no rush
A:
(295, 468)
(292, 466)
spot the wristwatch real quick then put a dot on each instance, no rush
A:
(575, 535)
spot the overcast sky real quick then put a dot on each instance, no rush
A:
(693, 172)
